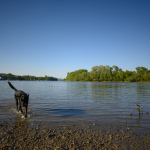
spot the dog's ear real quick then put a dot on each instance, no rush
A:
(28, 95)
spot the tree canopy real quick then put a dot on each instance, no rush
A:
(107, 73)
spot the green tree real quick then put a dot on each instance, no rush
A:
(94, 68)
(9, 76)
(141, 70)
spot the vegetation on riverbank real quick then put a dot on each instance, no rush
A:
(26, 77)
(106, 73)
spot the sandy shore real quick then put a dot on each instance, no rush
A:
(25, 135)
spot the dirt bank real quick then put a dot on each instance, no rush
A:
(24, 135)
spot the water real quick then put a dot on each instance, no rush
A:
(80, 101)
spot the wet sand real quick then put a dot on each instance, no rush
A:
(25, 135)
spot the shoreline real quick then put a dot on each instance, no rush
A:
(111, 81)
(23, 134)
(80, 81)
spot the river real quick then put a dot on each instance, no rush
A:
(97, 102)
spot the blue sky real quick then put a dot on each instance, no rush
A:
(53, 37)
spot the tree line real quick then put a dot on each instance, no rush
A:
(27, 77)
(107, 73)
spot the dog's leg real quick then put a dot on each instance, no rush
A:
(16, 99)
(26, 111)
(20, 108)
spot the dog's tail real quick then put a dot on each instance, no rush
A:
(12, 86)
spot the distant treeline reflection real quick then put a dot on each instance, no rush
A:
(107, 73)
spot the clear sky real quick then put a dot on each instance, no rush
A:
(53, 37)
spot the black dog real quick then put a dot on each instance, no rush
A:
(21, 99)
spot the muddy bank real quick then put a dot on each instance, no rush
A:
(25, 135)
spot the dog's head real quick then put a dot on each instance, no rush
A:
(25, 99)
